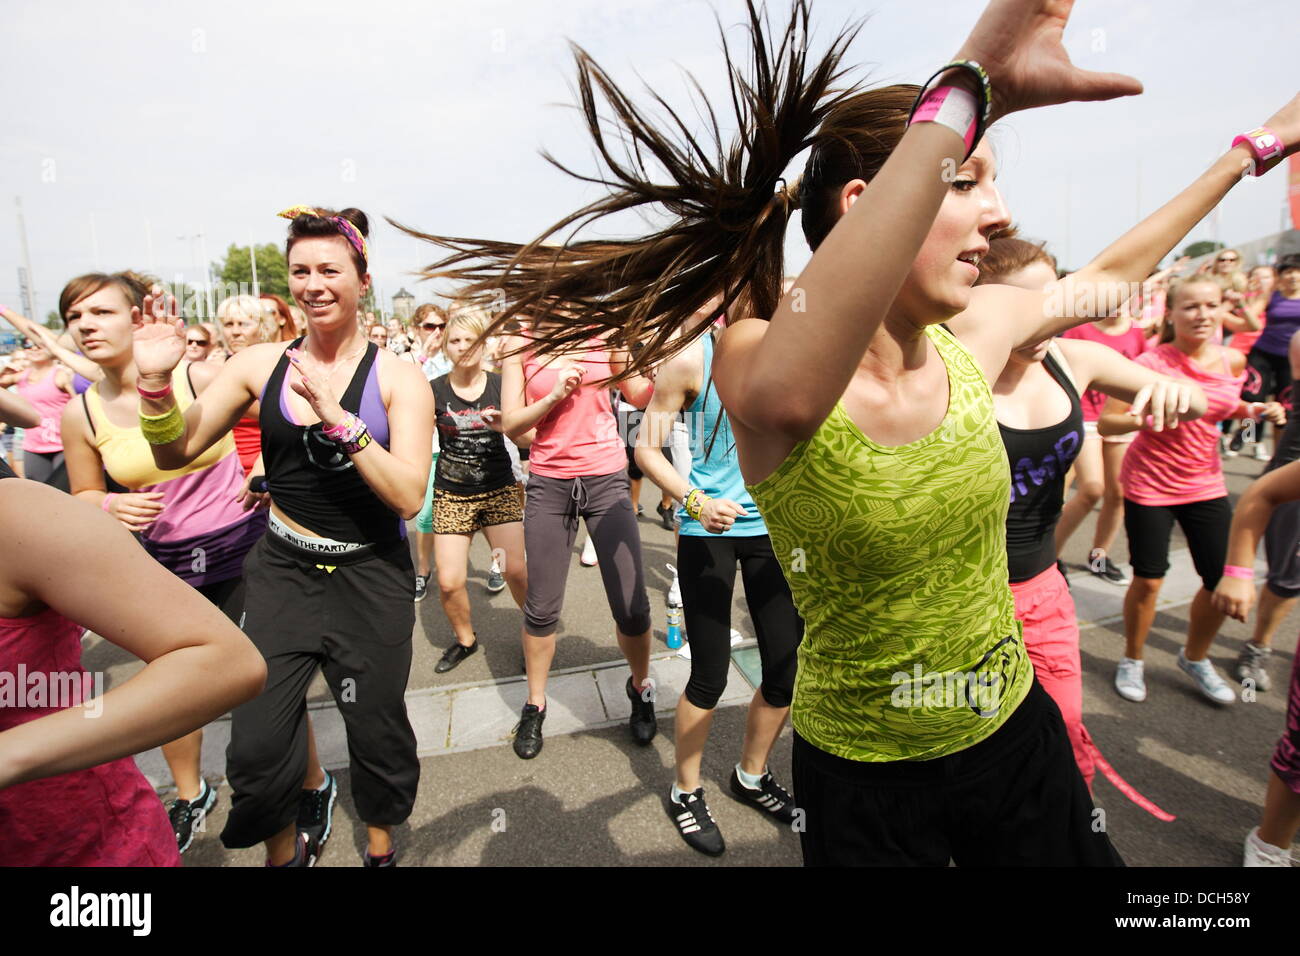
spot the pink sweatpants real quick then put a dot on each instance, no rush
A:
(1046, 610)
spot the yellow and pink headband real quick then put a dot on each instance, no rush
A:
(345, 227)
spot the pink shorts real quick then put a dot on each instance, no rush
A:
(1046, 610)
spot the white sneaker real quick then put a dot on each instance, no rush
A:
(1129, 680)
(1208, 681)
(674, 589)
(1259, 853)
(588, 558)
(1261, 452)
(736, 637)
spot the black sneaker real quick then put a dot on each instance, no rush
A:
(667, 516)
(695, 824)
(316, 812)
(528, 732)
(642, 723)
(770, 797)
(496, 582)
(388, 859)
(421, 587)
(1238, 440)
(187, 816)
(454, 655)
(1104, 568)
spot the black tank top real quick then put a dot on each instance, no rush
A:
(1039, 459)
(473, 459)
(311, 479)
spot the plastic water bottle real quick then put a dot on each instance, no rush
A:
(675, 638)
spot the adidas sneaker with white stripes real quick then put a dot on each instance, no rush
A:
(695, 823)
(770, 797)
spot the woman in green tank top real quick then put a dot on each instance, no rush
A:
(921, 735)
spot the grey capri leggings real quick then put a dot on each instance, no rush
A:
(551, 515)
(1281, 541)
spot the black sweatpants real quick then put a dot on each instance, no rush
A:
(706, 568)
(1015, 798)
(354, 623)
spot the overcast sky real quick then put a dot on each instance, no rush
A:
(126, 123)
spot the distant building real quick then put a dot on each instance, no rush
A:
(403, 305)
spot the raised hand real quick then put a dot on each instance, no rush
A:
(159, 339)
(1019, 43)
(313, 384)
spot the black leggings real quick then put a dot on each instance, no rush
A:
(707, 572)
(1205, 525)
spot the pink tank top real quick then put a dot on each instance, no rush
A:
(48, 400)
(1181, 465)
(579, 437)
(1129, 344)
(102, 816)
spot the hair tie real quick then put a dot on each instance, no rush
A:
(344, 226)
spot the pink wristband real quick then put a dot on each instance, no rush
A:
(1233, 571)
(950, 106)
(1266, 146)
(154, 396)
(108, 500)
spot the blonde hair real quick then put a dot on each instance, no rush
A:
(472, 319)
(251, 307)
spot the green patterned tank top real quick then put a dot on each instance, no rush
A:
(897, 561)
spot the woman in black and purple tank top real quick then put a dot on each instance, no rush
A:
(345, 441)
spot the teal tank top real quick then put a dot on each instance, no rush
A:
(716, 473)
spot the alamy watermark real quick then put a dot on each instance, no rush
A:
(52, 690)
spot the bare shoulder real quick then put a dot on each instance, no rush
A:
(1236, 360)
(254, 364)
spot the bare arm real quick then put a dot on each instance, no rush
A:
(518, 418)
(1002, 318)
(399, 474)
(637, 389)
(78, 363)
(136, 510)
(1234, 596)
(676, 381)
(198, 664)
(16, 410)
(1167, 400)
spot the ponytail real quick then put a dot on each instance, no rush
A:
(728, 206)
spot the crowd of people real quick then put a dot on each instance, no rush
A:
(892, 489)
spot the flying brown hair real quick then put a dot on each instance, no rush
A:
(728, 204)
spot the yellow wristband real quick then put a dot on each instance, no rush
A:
(163, 429)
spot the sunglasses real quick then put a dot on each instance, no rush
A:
(1229, 259)
(196, 341)
(431, 326)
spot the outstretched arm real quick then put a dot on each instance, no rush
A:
(1002, 318)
